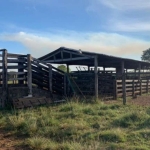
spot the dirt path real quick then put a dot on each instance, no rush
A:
(9, 142)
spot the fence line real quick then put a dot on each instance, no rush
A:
(24, 70)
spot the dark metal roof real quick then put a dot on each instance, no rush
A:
(69, 56)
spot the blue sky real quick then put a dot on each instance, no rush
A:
(115, 27)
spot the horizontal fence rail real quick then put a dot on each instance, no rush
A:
(133, 87)
(17, 70)
(48, 77)
(24, 70)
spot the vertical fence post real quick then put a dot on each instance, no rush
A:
(124, 88)
(133, 89)
(139, 77)
(68, 80)
(4, 79)
(140, 86)
(20, 69)
(96, 76)
(115, 89)
(50, 80)
(147, 86)
(65, 84)
(29, 75)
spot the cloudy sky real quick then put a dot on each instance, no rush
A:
(114, 27)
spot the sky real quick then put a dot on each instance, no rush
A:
(114, 27)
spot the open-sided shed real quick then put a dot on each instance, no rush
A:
(77, 57)
(124, 67)
(34, 78)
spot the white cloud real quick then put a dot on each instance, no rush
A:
(126, 4)
(131, 26)
(123, 15)
(107, 43)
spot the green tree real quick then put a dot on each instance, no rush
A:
(146, 55)
(63, 68)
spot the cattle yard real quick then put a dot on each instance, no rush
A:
(26, 81)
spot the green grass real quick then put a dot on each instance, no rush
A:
(81, 126)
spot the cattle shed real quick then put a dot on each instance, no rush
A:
(128, 78)
(26, 81)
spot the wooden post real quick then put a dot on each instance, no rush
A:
(29, 75)
(65, 84)
(147, 86)
(139, 71)
(20, 64)
(67, 81)
(4, 79)
(88, 68)
(96, 76)
(124, 87)
(0, 78)
(115, 89)
(140, 81)
(50, 80)
(140, 87)
(123, 82)
(104, 69)
(134, 74)
(133, 89)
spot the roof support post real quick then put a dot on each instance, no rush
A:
(123, 82)
(50, 80)
(139, 77)
(96, 76)
(68, 79)
(104, 69)
(122, 67)
(88, 68)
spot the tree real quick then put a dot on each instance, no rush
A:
(146, 55)
(63, 68)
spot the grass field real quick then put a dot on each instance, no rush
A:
(81, 126)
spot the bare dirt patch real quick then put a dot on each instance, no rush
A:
(141, 100)
(10, 142)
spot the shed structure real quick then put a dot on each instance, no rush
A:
(101, 82)
(26, 81)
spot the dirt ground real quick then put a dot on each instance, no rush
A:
(9, 142)
(141, 100)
